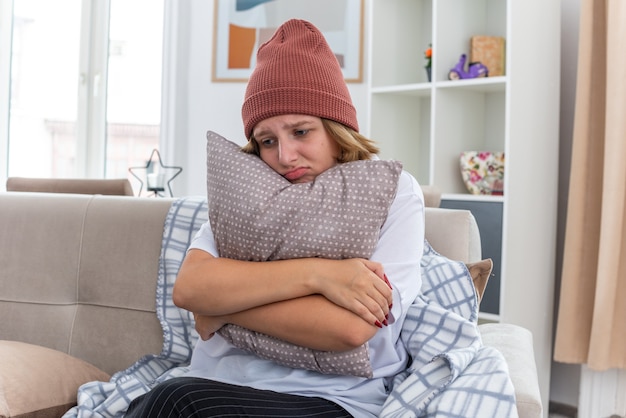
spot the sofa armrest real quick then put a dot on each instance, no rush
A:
(516, 345)
(453, 233)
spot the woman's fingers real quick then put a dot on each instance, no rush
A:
(379, 306)
(375, 296)
(361, 286)
(371, 310)
(377, 268)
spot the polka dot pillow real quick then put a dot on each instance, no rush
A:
(258, 215)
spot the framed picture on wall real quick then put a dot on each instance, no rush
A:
(241, 26)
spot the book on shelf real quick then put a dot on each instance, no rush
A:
(488, 50)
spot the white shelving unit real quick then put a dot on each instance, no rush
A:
(426, 125)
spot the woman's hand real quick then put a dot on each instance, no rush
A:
(358, 285)
(207, 326)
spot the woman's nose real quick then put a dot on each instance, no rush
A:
(287, 152)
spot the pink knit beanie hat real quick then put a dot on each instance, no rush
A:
(297, 73)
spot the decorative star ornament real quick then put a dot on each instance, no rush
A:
(155, 175)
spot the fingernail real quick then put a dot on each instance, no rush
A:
(385, 322)
(387, 281)
(390, 305)
(378, 324)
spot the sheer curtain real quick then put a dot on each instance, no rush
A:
(591, 321)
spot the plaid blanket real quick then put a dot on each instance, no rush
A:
(451, 375)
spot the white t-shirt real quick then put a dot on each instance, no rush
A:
(399, 249)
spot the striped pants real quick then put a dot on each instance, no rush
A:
(195, 397)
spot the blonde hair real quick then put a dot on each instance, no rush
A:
(353, 145)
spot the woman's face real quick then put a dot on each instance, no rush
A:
(296, 146)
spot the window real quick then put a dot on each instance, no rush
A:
(85, 86)
(134, 87)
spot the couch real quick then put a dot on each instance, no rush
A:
(77, 295)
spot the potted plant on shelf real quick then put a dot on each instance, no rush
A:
(428, 54)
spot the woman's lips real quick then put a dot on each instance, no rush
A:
(295, 174)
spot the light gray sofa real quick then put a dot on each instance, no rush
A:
(77, 295)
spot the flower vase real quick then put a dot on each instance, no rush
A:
(428, 73)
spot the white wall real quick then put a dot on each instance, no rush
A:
(203, 105)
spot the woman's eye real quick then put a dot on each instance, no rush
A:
(300, 132)
(268, 142)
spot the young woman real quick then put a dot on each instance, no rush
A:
(299, 119)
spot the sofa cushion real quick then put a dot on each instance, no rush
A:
(453, 233)
(120, 187)
(337, 216)
(40, 382)
(432, 195)
(88, 279)
(480, 271)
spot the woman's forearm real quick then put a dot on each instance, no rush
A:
(213, 286)
(218, 286)
(310, 321)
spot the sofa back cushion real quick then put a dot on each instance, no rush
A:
(120, 187)
(58, 285)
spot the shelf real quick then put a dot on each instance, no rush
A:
(472, 197)
(416, 89)
(483, 84)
